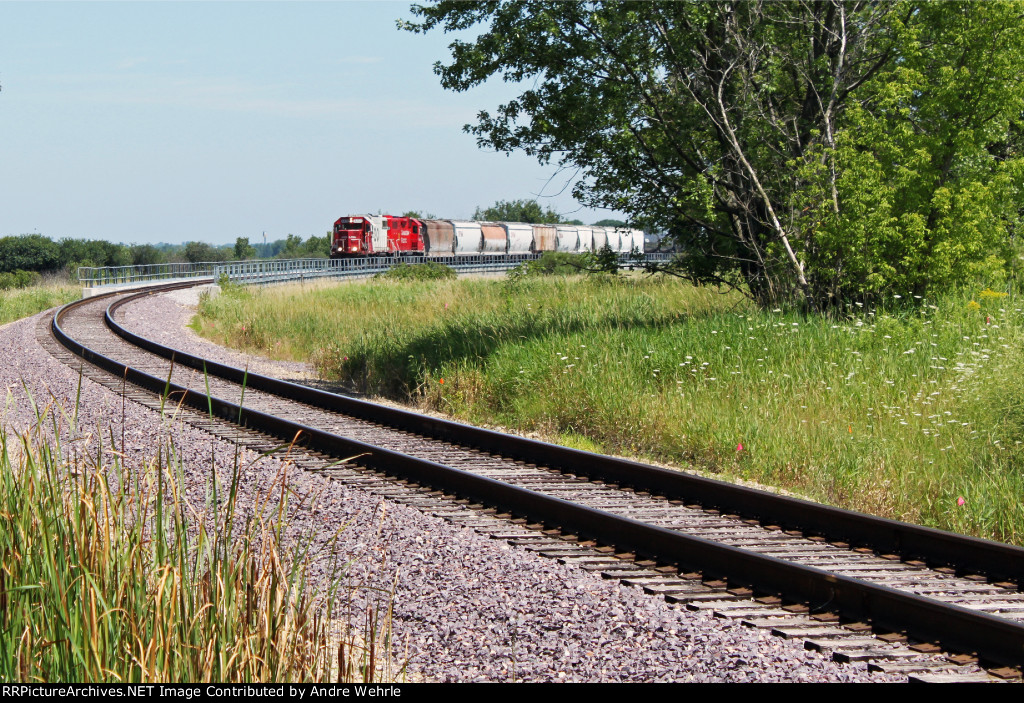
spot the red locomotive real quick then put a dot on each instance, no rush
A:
(376, 234)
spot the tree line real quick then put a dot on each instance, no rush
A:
(38, 253)
(815, 153)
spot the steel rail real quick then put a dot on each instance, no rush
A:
(957, 628)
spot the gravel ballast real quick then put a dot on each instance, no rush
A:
(466, 608)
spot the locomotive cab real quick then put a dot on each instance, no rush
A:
(351, 235)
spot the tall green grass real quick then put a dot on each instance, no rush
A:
(112, 575)
(17, 303)
(911, 410)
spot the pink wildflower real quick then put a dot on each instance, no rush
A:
(739, 447)
(960, 501)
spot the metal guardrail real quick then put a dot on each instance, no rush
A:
(265, 271)
(100, 276)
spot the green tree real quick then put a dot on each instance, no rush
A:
(243, 250)
(928, 185)
(314, 247)
(29, 252)
(805, 152)
(197, 252)
(146, 254)
(529, 211)
(92, 252)
(318, 247)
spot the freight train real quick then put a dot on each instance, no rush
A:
(386, 235)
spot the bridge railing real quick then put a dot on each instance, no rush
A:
(263, 271)
(98, 276)
(259, 272)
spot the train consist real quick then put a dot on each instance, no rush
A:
(386, 235)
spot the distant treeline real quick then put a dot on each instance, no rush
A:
(41, 254)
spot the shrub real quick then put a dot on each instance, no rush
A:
(555, 263)
(426, 271)
(19, 279)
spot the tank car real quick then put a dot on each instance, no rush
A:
(494, 239)
(567, 238)
(520, 237)
(468, 237)
(439, 238)
(544, 238)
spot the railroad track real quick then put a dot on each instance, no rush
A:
(908, 599)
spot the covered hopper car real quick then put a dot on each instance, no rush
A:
(386, 235)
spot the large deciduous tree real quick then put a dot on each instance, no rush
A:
(804, 152)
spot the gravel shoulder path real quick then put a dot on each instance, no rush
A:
(466, 608)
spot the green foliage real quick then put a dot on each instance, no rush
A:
(146, 254)
(554, 263)
(314, 247)
(561, 263)
(96, 252)
(268, 250)
(930, 195)
(243, 250)
(198, 252)
(529, 211)
(29, 252)
(605, 260)
(18, 279)
(425, 271)
(36, 252)
(805, 153)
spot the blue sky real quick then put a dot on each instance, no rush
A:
(147, 122)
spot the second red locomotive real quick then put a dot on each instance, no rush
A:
(376, 234)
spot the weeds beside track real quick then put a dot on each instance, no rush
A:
(905, 412)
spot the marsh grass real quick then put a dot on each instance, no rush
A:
(901, 410)
(112, 575)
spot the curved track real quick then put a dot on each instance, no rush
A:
(827, 575)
